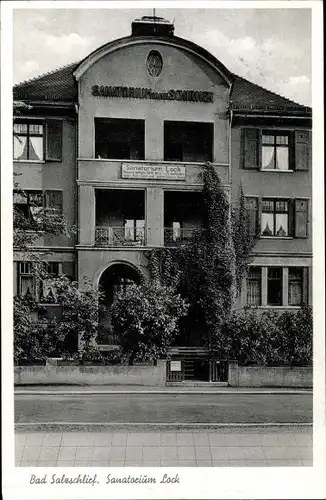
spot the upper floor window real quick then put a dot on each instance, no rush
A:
(277, 150)
(275, 218)
(37, 141)
(188, 141)
(278, 217)
(28, 141)
(31, 203)
(121, 139)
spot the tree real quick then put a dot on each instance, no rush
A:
(145, 319)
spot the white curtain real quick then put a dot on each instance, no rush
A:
(267, 157)
(282, 159)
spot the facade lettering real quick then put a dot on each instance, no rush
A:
(146, 93)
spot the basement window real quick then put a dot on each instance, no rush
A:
(188, 141)
(117, 138)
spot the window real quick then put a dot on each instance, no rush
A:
(32, 202)
(26, 283)
(118, 138)
(274, 286)
(30, 137)
(134, 230)
(275, 151)
(275, 217)
(254, 286)
(28, 141)
(188, 141)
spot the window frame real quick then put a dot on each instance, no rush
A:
(25, 273)
(275, 212)
(275, 146)
(255, 279)
(29, 122)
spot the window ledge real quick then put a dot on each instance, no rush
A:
(275, 170)
(29, 161)
(276, 237)
(276, 307)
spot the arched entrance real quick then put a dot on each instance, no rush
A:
(114, 279)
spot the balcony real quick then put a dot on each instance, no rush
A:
(117, 236)
(174, 237)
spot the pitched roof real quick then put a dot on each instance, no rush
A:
(60, 86)
(248, 96)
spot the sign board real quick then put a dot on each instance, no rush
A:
(166, 172)
(175, 366)
(147, 93)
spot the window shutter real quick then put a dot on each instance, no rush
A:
(301, 218)
(53, 199)
(54, 140)
(68, 269)
(251, 206)
(305, 286)
(291, 218)
(250, 148)
(302, 145)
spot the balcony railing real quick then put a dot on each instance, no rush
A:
(119, 236)
(175, 237)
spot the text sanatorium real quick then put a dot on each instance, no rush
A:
(144, 93)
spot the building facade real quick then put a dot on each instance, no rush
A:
(118, 143)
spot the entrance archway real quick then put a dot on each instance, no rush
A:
(114, 279)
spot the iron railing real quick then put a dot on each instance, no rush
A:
(119, 236)
(175, 237)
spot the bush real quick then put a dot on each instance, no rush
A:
(32, 340)
(145, 319)
(267, 338)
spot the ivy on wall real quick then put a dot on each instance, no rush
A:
(209, 268)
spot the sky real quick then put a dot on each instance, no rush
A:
(270, 47)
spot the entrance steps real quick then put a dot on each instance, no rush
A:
(196, 383)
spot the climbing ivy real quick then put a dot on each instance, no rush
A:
(208, 270)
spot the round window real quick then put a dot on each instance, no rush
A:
(154, 63)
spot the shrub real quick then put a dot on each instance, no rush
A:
(32, 340)
(145, 319)
(267, 338)
(35, 339)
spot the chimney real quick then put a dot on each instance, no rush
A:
(152, 25)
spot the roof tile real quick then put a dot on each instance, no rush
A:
(59, 85)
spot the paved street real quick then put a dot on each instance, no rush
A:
(227, 447)
(164, 408)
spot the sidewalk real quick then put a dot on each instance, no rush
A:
(227, 447)
(129, 389)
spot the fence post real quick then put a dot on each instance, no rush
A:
(233, 375)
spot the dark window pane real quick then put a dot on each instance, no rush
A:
(188, 141)
(118, 138)
(274, 286)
